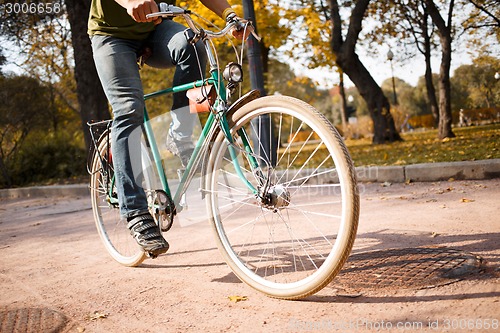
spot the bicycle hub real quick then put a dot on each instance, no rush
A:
(276, 198)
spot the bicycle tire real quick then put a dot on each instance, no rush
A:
(293, 249)
(112, 228)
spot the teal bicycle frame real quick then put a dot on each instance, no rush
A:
(200, 147)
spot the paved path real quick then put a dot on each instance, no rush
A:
(51, 258)
(427, 172)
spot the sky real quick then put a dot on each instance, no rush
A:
(408, 70)
(380, 68)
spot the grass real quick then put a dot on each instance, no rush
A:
(470, 144)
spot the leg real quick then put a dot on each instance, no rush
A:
(170, 48)
(116, 64)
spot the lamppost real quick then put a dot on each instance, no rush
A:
(497, 77)
(390, 56)
(265, 148)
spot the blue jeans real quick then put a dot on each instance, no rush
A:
(116, 65)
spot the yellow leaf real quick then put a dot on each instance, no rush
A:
(97, 315)
(237, 299)
(467, 200)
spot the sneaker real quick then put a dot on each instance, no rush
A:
(183, 150)
(147, 234)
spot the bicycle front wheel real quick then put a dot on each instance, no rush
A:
(292, 236)
(111, 226)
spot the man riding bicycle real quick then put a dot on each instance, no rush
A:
(120, 32)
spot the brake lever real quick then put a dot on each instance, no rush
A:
(166, 10)
(244, 25)
(254, 34)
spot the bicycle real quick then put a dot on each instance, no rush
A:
(277, 178)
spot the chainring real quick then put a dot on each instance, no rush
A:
(163, 210)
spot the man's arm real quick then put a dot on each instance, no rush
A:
(223, 9)
(217, 6)
(138, 9)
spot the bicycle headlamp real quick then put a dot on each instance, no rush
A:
(233, 73)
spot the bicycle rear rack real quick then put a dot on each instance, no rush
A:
(97, 130)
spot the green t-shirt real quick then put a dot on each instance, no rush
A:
(107, 17)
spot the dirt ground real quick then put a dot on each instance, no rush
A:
(51, 258)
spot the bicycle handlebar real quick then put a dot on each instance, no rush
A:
(169, 11)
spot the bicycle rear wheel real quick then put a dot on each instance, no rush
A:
(111, 226)
(291, 238)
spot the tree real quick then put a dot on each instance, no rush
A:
(485, 16)
(3, 60)
(407, 22)
(477, 82)
(347, 59)
(22, 110)
(93, 104)
(427, 44)
(48, 58)
(445, 31)
(421, 94)
(44, 40)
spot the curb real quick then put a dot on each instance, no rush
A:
(425, 172)
(75, 190)
(431, 172)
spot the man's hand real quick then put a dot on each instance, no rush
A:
(138, 9)
(242, 30)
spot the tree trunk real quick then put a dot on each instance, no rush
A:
(384, 129)
(445, 119)
(429, 83)
(7, 179)
(431, 92)
(93, 102)
(343, 109)
(445, 37)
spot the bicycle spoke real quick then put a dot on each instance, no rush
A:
(283, 236)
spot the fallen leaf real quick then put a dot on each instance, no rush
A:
(237, 299)
(350, 295)
(434, 234)
(467, 200)
(97, 315)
